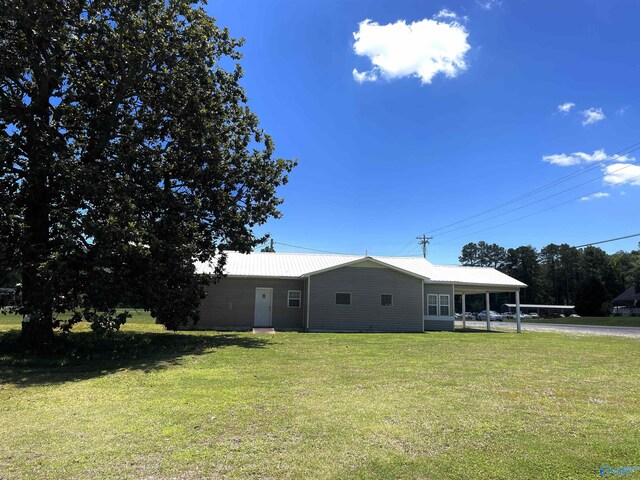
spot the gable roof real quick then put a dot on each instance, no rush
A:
(296, 265)
(631, 294)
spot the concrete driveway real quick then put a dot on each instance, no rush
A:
(633, 332)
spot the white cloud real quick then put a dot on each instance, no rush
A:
(618, 169)
(489, 4)
(569, 159)
(446, 14)
(566, 107)
(592, 115)
(622, 174)
(420, 49)
(595, 195)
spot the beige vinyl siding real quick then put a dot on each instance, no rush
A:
(230, 304)
(365, 313)
(438, 322)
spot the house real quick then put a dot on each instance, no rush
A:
(341, 293)
(627, 304)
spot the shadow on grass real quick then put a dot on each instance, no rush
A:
(477, 330)
(82, 355)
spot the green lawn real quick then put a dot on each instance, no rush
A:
(154, 405)
(605, 321)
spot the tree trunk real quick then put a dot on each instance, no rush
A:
(37, 299)
(37, 323)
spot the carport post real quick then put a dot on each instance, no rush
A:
(487, 312)
(518, 326)
(464, 314)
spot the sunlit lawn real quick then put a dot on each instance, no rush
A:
(191, 405)
(604, 321)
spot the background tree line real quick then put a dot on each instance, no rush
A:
(588, 278)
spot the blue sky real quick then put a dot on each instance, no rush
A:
(446, 110)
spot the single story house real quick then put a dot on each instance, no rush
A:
(341, 293)
(627, 303)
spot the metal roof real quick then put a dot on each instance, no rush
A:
(295, 265)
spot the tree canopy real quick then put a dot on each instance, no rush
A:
(127, 152)
(560, 274)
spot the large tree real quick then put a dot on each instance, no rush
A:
(127, 152)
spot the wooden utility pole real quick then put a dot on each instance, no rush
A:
(424, 241)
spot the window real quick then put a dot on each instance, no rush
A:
(386, 300)
(293, 298)
(432, 304)
(444, 305)
(343, 298)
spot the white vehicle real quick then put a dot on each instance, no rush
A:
(493, 316)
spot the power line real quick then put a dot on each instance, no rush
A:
(311, 249)
(525, 216)
(610, 240)
(625, 151)
(424, 241)
(537, 201)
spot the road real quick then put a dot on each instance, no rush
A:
(633, 332)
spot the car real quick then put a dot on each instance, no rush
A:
(534, 315)
(574, 315)
(493, 316)
(508, 315)
(468, 316)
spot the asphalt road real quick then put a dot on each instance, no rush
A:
(633, 332)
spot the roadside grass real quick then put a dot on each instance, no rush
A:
(148, 403)
(604, 321)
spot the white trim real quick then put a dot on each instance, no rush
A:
(423, 314)
(343, 304)
(387, 295)
(432, 304)
(270, 307)
(364, 259)
(299, 298)
(441, 304)
(308, 299)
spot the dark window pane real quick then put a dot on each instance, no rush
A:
(343, 299)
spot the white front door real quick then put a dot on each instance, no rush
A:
(263, 307)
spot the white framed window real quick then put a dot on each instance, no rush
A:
(343, 298)
(444, 305)
(432, 304)
(294, 298)
(386, 300)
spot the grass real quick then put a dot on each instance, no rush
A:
(604, 321)
(154, 404)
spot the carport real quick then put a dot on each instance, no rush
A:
(477, 280)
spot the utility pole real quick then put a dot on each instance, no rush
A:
(424, 241)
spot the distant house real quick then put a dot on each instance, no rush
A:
(341, 293)
(628, 302)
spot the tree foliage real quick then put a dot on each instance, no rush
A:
(560, 274)
(127, 152)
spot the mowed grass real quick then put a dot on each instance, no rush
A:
(604, 321)
(157, 405)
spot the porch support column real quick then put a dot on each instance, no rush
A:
(518, 326)
(486, 300)
(464, 313)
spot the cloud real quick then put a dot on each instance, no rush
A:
(594, 196)
(489, 4)
(420, 49)
(622, 174)
(446, 14)
(566, 107)
(592, 115)
(616, 169)
(570, 159)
